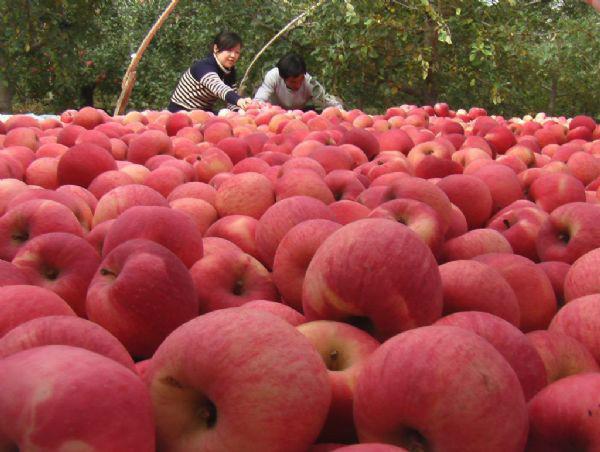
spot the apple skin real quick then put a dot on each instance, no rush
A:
(512, 344)
(140, 293)
(565, 416)
(471, 195)
(472, 286)
(550, 191)
(344, 350)
(556, 272)
(521, 227)
(440, 388)
(227, 277)
(424, 191)
(418, 216)
(376, 273)
(64, 330)
(31, 219)
(583, 278)
(346, 211)
(303, 182)
(199, 190)
(561, 354)
(474, 243)
(280, 218)
(61, 262)
(532, 287)
(82, 163)
(580, 319)
(366, 447)
(119, 199)
(503, 183)
(11, 275)
(110, 410)
(287, 313)
(571, 231)
(241, 376)
(168, 227)
(21, 303)
(248, 194)
(344, 184)
(76, 204)
(238, 229)
(9, 188)
(294, 253)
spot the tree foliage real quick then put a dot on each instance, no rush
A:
(511, 57)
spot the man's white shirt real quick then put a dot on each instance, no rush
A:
(274, 91)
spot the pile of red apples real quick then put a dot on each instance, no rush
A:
(281, 281)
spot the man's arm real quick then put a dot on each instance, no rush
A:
(267, 89)
(320, 98)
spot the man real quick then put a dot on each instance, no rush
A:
(291, 87)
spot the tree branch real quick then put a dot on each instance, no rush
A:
(130, 74)
(293, 22)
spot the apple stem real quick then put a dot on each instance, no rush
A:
(208, 413)
(334, 363)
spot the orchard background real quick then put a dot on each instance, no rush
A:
(511, 57)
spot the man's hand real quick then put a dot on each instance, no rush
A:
(244, 102)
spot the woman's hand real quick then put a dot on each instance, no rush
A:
(244, 102)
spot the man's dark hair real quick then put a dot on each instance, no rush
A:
(291, 65)
(227, 40)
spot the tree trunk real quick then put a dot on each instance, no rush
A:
(553, 95)
(6, 91)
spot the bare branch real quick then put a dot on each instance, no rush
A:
(130, 74)
(293, 22)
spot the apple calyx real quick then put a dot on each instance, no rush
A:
(107, 272)
(238, 287)
(506, 223)
(207, 412)
(414, 441)
(51, 273)
(564, 237)
(20, 236)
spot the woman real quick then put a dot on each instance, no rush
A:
(211, 79)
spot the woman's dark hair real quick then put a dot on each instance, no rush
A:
(227, 40)
(291, 65)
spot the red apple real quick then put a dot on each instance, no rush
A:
(216, 398)
(375, 273)
(61, 262)
(280, 218)
(344, 350)
(472, 286)
(168, 227)
(294, 253)
(64, 330)
(562, 355)
(531, 286)
(109, 410)
(512, 344)
(571, 231)
(227, 277)
(469, 398)
(580, 319)
(140, 293)
(564, 416)
(31, 219)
